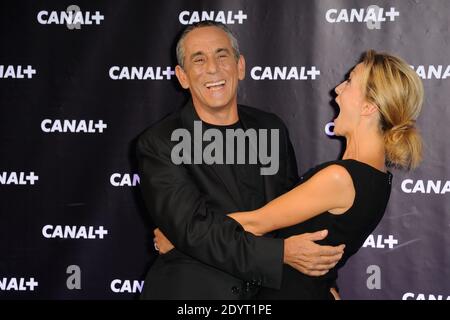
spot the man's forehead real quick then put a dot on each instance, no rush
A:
(207, 37)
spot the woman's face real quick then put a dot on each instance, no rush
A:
(350, 99)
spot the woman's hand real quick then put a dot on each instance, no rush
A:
(162, 244)
(335, 294)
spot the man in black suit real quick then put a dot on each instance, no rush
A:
(214, 257)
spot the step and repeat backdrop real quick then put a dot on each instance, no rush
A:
(80, 80)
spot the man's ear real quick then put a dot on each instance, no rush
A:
(241, 67)
(182, 77)
(368, 109)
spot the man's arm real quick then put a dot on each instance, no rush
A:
(181, 211)
(300, 252)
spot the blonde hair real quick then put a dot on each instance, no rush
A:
(395, 88)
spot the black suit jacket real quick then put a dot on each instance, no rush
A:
(214, 257)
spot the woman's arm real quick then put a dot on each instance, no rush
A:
(330, 189)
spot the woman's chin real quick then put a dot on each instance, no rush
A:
(336, 131)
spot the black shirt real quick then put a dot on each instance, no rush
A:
(247, 175)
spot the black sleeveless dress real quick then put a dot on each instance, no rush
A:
(372, 190)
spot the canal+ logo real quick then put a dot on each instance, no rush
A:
(225, 17)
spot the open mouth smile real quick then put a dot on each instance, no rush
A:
(217, 85)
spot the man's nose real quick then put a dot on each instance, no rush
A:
(211, 66)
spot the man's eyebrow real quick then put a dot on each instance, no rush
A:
(200, 53)
(196, 54)
(219, 50)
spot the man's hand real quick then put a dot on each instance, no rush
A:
(301, 253)
(162, 244)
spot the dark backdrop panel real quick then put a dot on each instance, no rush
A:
(84, 179)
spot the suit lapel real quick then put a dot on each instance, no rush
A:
(249, 121)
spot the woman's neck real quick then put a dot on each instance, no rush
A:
(368, 148)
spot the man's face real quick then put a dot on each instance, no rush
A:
(211, 71)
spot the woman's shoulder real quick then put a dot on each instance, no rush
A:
(335, 168)
(356, 167)
(328, 176)
(346, 170)
(365, 172)
(335, 173)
